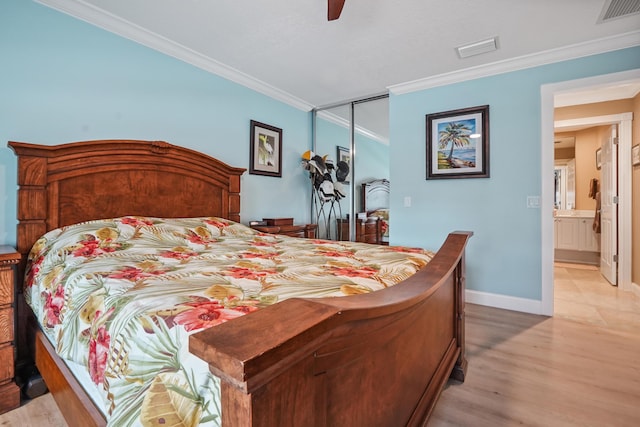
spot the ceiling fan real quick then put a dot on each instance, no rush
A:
(334, 9)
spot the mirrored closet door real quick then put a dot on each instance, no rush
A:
(355, 134)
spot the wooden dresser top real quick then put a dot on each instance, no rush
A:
(8, 255)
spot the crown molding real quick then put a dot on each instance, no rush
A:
(98, 17)
(107, 21)
(621, 41)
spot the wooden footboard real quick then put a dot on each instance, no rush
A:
(375, 359)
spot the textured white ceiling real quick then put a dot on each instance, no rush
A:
(288, 48)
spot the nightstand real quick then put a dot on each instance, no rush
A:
(9, 391)
(367, 230)
(285, 227)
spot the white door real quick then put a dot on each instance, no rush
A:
(609, 208)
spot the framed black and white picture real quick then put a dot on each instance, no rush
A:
(266, 150)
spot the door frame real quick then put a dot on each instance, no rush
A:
(624, 121)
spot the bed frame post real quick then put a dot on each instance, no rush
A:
(32, 223)
(460, 369)
(32, 203)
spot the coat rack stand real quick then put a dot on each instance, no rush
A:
(327, 212)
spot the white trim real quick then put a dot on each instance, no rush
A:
(503, 301)
(546, 200)
(93, 15)
(547, 164)
(595, 94)
(579, 50)
(598, 120)
(625, 195)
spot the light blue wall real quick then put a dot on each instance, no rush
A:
(504, 256)
(62, 80)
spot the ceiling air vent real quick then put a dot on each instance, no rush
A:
(477, 48)
(614, 9)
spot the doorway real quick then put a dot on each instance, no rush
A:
(548, 94)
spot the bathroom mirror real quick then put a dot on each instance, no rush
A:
(565, 184)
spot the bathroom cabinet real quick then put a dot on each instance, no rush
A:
(576, 233)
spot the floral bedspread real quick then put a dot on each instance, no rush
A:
(121, 296)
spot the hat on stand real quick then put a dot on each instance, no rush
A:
(326, 190)
(342, 171)
(338, 190)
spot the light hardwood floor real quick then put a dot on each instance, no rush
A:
(578, 368)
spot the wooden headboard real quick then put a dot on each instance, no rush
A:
(81, 181)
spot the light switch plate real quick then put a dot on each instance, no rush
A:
(533, 202)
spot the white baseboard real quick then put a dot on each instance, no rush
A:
(504, 301)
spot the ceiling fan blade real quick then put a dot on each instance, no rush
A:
(334, 9)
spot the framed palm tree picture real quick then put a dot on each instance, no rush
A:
(458, 143)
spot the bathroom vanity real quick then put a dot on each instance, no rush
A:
(574, 237)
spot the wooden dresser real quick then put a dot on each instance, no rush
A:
(284, 226)
(367, 231)
(9, 391)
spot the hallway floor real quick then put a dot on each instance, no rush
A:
(583, 295)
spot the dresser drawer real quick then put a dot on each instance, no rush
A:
(369, 238)
(370, 228)
(293, 230)
(6, 287)
(9, 391)
(367, 231)
(308, 230)
(6, 367)
(6, 325)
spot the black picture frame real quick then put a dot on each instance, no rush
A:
(458, 143)
(265, 154)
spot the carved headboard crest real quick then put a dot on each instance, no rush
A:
(160, 147)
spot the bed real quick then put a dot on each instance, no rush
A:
(375, 204)
(301, 361)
